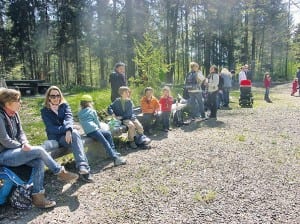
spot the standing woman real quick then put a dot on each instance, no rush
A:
(58, 119)
(15, 149)
(213, 82)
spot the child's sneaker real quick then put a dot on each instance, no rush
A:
(119, 161)
(132, 145)
(83, 170)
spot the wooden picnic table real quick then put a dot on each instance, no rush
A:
(30, 87)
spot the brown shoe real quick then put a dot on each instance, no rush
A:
(67, 176)
(39, 200)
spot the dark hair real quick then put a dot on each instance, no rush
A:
(119, 64)
(148, 89)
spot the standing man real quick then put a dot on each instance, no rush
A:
(117, 79)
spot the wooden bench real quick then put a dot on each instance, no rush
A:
(28, 87)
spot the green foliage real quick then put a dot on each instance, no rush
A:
(150, 63)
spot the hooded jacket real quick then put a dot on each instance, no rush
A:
(88, 119)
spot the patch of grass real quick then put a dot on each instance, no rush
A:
(207, 197)
(241, 138)
(162, 189)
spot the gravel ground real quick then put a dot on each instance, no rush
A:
(242, 168)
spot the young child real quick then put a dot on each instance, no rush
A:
(267, 84)
(166, 101)
(294, 86)
(122, 109)
(90, 123)
(150, 108)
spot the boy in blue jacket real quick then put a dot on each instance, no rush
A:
(90, 123)
(122, 109)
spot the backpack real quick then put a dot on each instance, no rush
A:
(10, 181)
(178, 118)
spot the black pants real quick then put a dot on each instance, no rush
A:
(212, 104)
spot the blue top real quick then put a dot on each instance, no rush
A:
(89, 120)
(116, 108)
(57, 124)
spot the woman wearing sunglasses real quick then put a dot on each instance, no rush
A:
(15, 149)
(58, 119)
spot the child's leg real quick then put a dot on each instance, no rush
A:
(97, 135)
(138, 126)
(131, 129)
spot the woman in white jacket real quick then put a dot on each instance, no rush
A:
(212, 82)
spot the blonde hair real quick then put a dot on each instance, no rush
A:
(123, 89)
(194, 64)
(47, 96)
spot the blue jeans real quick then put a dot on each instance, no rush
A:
(36, 158)
(196, 102)
(106, 139)
(165, 118)
(77, 148)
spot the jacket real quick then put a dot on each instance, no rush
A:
(116, 108)
(149, 106)
(11, 132)
(166, 104)
(57, 124)
(213, 82)
(89, 120)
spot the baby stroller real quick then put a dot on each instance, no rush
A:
(246, 97)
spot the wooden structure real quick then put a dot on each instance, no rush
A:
(28, 87)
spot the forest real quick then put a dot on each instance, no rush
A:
(77, 42)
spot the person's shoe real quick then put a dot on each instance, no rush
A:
(132, 145)
(40, 201)
(67, 176)
(166, 130)
(83, 170)
(119, 161)
(87, 178)
(169, 129)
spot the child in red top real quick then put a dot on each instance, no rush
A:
(166, 101)
(267, 83)
(294, 86)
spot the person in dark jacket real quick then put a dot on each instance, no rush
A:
(117, 79)
(122, 109)
(15, 149)
(58, 120)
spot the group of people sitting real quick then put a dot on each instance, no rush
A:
(15, 150)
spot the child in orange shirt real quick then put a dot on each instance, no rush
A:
(150, 107)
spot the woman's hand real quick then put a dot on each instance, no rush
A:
(26, 147)
(69, 137)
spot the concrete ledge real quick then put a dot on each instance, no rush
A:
(94, 150)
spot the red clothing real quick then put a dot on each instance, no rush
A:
(149, 106)
(267, 82)
(294, 87)
(166, 103)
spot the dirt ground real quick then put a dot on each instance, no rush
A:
(242, 168)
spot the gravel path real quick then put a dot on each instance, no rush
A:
(242, 168)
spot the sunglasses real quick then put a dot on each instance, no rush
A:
(54, 96)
